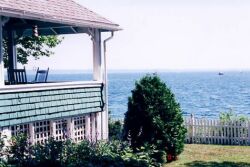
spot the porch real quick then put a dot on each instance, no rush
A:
(63, 110)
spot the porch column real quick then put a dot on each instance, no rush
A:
(98, 76)
(12, 57)
(99, 125)
(93, 126)
(87, 127)
(53, 129)
(6, 131)
(31, 133)
(1, 53)
(97, 57)
(70, 128)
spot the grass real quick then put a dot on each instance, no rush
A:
(213, 155)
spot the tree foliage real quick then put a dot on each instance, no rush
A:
(32, 46)
(231, 116)
(154, 117)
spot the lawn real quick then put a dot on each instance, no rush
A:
(213, 155)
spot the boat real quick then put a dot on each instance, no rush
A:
(220, 73)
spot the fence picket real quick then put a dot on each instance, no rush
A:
(211, 131)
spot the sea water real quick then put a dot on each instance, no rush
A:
(204, 94)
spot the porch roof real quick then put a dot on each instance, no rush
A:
(47, 14)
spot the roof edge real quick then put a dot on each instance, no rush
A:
(48, 18)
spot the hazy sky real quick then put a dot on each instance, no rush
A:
(165, 34)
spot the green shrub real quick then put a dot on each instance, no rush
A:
(19, 151)
(68, 154)
(115, 130)
(154, 117)
(231, 116)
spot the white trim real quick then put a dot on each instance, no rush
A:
(49, 86)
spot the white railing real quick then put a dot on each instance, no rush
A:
(207, 131)
(48, 86)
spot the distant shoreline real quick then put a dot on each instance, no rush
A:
(144, 71)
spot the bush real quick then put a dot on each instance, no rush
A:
(231, 116)
(19, 151)
(115, 130)
(154, 117)
(69, 154)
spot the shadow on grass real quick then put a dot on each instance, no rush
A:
(217, 164)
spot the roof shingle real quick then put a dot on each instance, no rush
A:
(60, 11)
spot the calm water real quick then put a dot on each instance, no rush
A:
(204, 94)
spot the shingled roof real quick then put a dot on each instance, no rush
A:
(55, 11)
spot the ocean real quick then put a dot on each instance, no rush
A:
(204, 94)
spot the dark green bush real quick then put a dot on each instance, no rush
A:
(154, 117)
(115, 130)
(68, 154)
(19, 151)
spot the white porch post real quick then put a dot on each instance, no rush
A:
(99, 125)
(87, 127)
(70, 128)
(53, 128)
(31, 133)
(97, 57)
(98, 76)
(1, 53)
(7, 133)
(12, 49)
(93, 126)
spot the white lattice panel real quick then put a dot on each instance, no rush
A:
(42, 131)
(61, 132)
(76, 128)
(79, 129)
(17, 129)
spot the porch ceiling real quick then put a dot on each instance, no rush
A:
(24, 27)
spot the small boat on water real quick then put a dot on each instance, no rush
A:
(220, 73)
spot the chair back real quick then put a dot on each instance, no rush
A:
(17, 76)
(41, 76)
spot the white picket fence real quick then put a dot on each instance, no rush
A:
(205, 131)
(212, 131)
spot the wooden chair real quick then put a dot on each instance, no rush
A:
(41, 76)
(17, 76)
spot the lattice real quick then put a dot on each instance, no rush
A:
(79, 129)
(75, 128)
(61, 132)
(42, 131)
(20, 129)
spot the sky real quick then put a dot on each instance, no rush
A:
(164, 35)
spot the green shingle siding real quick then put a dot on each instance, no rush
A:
(24, 107)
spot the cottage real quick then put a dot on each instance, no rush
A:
(75, 110)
